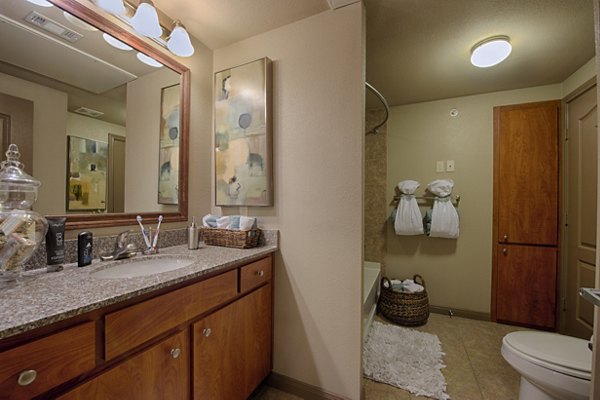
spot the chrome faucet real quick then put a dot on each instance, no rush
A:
(123, 248)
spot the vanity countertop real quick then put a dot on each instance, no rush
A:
(44, 298)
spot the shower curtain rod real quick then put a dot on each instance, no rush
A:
(385, 104)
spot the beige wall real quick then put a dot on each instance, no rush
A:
(457, 272)
(90, 128)
(49, 127)
(318, 156)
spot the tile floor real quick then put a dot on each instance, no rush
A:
(475, 369)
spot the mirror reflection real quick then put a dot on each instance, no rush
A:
(97, 122)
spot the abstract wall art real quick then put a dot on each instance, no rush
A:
(168, 156)
(243, 135)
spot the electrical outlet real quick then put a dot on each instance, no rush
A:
(439, 166)
(450, 166)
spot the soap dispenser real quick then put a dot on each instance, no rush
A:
(193, 235)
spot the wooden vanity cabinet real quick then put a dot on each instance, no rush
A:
(160, 372)
(211, 339)
(232, 348)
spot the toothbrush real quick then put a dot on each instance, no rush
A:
(160, 218)
(144, 234)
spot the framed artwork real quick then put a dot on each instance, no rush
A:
(168, 155)
(86, 174)
(243, 135)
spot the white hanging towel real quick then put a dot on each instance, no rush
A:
(409, 220)
(444, 218)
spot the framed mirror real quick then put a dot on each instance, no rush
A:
(105, 129)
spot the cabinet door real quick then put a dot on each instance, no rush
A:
(526, 173)
(526, 283)
(161, 372)
(232, 348)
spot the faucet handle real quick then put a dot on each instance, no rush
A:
(122, 239)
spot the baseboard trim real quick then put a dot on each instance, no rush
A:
(457, 312)
(298, 388)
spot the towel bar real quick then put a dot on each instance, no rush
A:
(455, 199)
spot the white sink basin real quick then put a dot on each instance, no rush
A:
(142, 267)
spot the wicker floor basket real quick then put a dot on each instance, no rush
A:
(404, 308)
(231, 238)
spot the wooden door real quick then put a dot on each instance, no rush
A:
(526, 283)
(526, 173)
(582, 176)
(232, 348)
(161, 372)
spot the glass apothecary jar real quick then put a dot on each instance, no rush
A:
(21, 229)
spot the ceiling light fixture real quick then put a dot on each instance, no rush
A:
(491, 51)
(179, 41)
(112, 6)
(116, 42)
(145, 20)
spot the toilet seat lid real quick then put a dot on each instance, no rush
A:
(560, 353)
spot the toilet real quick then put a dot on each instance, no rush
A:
(552, 366)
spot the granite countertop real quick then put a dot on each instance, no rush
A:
(44, 298)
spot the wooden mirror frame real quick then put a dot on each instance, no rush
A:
(84, 221)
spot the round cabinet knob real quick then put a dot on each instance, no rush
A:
(206, 332)
(505, 251)
(27, 377)
(260, 273)
(505, 237)
(175, 352)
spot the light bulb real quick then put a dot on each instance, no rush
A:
(115, 42)
(42, 3)
(148, 60)
(112, 6)
(145, 20)
(179, 42)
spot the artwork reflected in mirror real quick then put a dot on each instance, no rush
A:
(168, 182)
(86, 174)
(243, 135)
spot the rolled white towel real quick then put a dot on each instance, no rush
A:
(247, 223)
(209, 221)
(223, 222)
(410, 286)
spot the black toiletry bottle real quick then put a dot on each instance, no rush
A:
(84, 249)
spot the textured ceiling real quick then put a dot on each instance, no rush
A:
(218, 23)
(419, 50)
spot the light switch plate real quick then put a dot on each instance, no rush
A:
(439, 166)
(450, 166)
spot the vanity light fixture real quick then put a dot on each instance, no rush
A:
(179, 41)
(148, 60)
(116, 42)
(491, 51)
(145, 20)
(42, 3)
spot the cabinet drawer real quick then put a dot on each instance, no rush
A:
(55, 359)
(132, 326)
(255, 274)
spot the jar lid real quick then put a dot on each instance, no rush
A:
(11, 171)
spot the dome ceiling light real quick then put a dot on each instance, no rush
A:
(491, 51)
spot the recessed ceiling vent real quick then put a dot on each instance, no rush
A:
(88, 112)
(53, 27)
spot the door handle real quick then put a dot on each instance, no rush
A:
(505, 251)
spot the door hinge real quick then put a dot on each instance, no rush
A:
(566, 134)
(564, 304)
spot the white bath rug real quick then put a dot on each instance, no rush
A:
(405, 358)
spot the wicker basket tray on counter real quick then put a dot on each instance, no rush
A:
(404, 308)
(231, 238)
